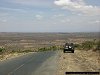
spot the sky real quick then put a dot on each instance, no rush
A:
(49, 15)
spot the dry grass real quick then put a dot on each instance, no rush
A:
(79, 61)
(10, 56)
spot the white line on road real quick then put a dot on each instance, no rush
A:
(16, 69)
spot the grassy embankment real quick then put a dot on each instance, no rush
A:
(86, 45)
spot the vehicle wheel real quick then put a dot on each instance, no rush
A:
(72, 51)
(64, 51)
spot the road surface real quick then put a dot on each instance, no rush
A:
(51, 63)
(30, 64)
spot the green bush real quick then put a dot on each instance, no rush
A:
(77, 46)
(52, 48)
(87, 45)
(2, 50)
(98, 45)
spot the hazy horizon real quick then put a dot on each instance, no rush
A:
(49, 32)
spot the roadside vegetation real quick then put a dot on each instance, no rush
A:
(51, 48)
(88, 45)
(2, 50)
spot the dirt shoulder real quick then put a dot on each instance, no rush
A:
(84, 61)
(11, 55)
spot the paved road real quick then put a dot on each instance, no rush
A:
(24, 65)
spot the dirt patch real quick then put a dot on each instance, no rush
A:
(84, 61)
(10, 56)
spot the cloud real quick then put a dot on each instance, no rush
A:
(54, 23)
(29, 1)
(95, 22)
(3, 14)
(3, 20)
(36, 3)
(13, 9)
(65, 21)
(24, 2)
(78, 6)
(38, 17)
(59, 15)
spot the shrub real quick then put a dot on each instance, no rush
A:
(87, 45)
(52, 48)
(77, 46)
(98, 45)
(2, 50)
